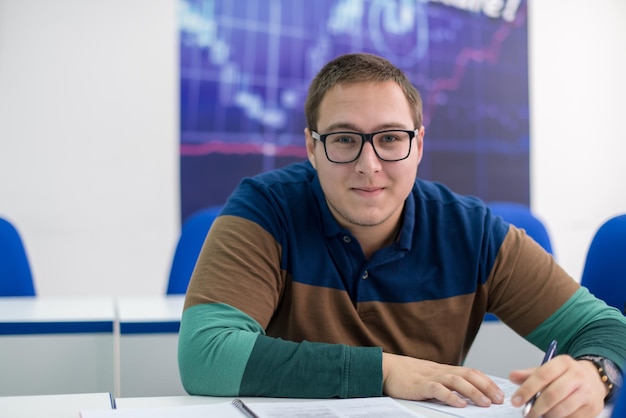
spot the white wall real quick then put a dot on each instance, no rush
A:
(88, 141)
(89, 134)
(578, 88)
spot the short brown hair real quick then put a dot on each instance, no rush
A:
(354, 68)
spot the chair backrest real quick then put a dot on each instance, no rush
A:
(522, 217)
(604, 273)
(193, 233)
(15, 275)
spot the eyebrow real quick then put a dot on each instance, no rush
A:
(343, 126)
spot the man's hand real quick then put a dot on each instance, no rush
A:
(569, 388)
(413, 379)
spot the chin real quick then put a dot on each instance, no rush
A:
(370, 219)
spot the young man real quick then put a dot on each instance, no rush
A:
(346, 276)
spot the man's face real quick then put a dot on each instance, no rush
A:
(367, 192)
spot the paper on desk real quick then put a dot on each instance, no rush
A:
(504, 410)
(381, 407)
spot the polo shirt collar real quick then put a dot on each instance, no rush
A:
(330, 226)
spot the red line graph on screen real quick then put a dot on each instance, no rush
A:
(242, 149)
(467, 55)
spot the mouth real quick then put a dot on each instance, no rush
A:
(368, 191)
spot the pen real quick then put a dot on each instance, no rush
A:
(244, 408)
(549, 354)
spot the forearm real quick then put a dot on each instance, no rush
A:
(604, 333)
(223, 352)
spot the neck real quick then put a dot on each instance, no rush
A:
(373, 238)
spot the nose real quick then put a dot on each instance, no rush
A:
(368, 161)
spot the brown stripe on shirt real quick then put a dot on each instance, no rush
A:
(523, 275)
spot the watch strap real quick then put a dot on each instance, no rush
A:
(600, 362)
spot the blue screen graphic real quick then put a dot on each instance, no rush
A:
(245, 67)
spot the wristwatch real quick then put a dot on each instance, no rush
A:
(609, 373)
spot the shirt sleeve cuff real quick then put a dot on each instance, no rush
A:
(364, 372)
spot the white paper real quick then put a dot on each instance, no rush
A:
(380, 407)
(504, 410)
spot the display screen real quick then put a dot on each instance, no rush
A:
(245, 67)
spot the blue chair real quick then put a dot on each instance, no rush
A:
(16, 278)
(604, 273)
(192, 236)
(522, 217)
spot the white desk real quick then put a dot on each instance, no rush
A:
(148, 346)
(51, 346)
(52, 406)
(69, 406)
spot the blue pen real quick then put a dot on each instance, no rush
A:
(549, 354)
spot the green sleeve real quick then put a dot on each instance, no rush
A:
(584, 325)
(214, 343)
(224, 352)
(279, 368)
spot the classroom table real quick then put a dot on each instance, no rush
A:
(126, 346)
(56, 345)
(148, 346)
(52, 406)
(71, 405)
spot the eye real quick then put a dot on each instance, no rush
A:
(343, 138)
(388, 137)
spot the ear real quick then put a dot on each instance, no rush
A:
(310, 147)
(420, 143)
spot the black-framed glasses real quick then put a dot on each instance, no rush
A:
(346, 147)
